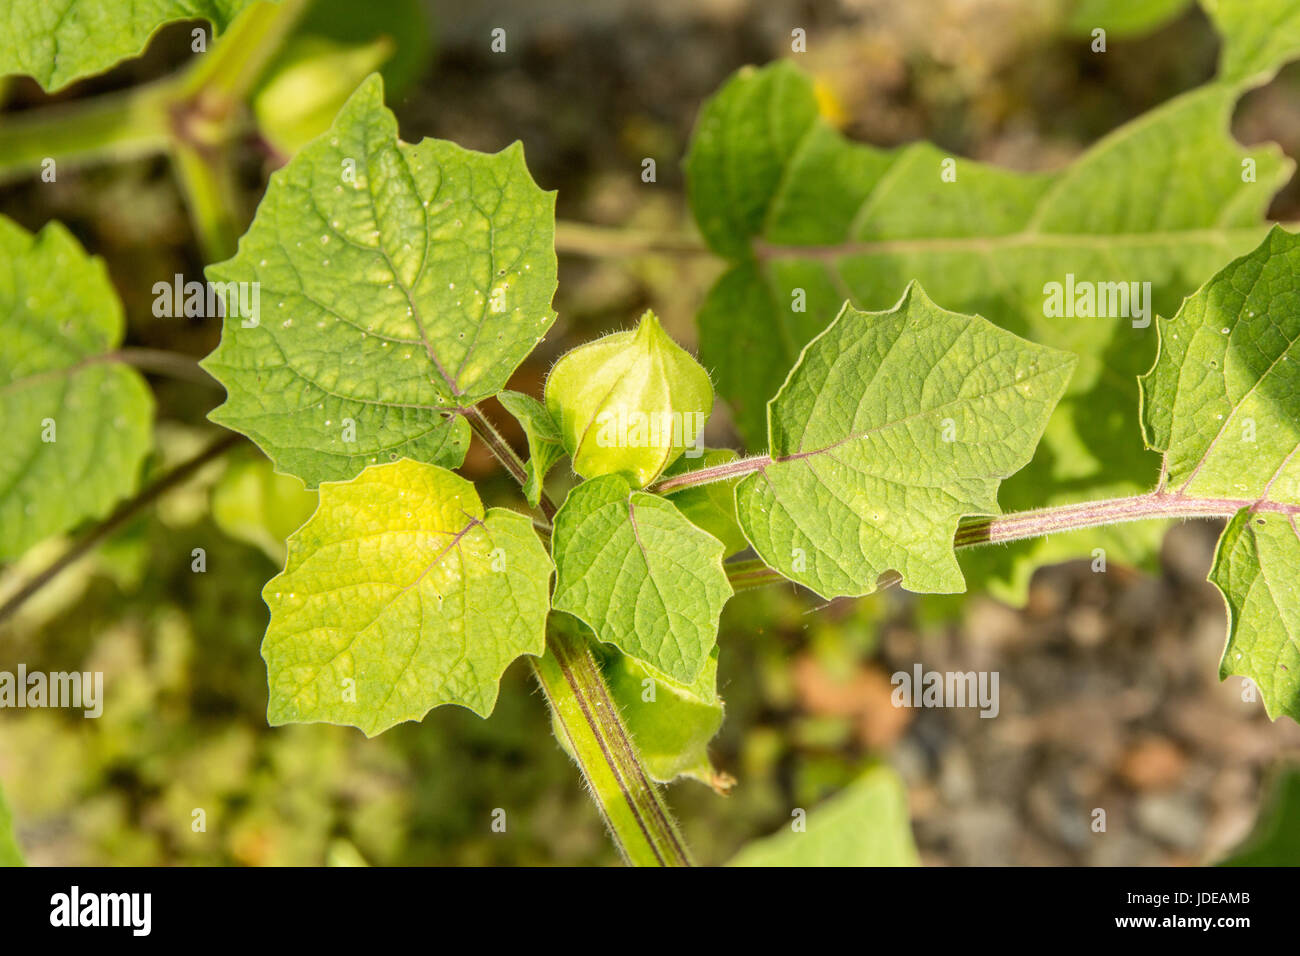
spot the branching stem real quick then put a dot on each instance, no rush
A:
(585, 713)
(124, 513)
(503, 453)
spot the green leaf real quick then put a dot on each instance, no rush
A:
(58, 41)
(1258, 35)
(866, 824)
(711, 506)
(1275, 840)
(398, 284)
(641, 576)
(1121, 18)
(400, 595)
(252, 503)
(545, 448)
(794, 206)
(672, 723)
(892, 426)
(1256, 566)
(816, 212)
(10, 854)
(1222, 403)
(77, 424)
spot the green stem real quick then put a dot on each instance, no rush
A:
(207, 182)
(750, 573)
(194, 116)
(610, 242)
(976, 531)
(1155, 505)
(228, 74)
(201, 107)
(163, 362)
(209, 111)
(110, 128)
(638, 819)
(704, 476)
(501, 449)
(585, 713)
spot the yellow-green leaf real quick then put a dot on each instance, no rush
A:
(401, 594)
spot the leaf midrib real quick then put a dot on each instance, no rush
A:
(1067, 362)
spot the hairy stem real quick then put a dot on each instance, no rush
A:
(608, 242)
(124, 513)
(704, 476)
(1037, 523)
(1020, 525)
(586, 715)
(501, 449)
(750, 573)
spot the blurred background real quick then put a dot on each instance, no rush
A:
(1109, 689)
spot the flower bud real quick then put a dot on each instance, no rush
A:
(313, 79)
(630, 403)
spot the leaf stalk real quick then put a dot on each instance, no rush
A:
(124, 513)
(614, 242)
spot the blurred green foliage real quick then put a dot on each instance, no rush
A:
(1275, 841)
(10, 855)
